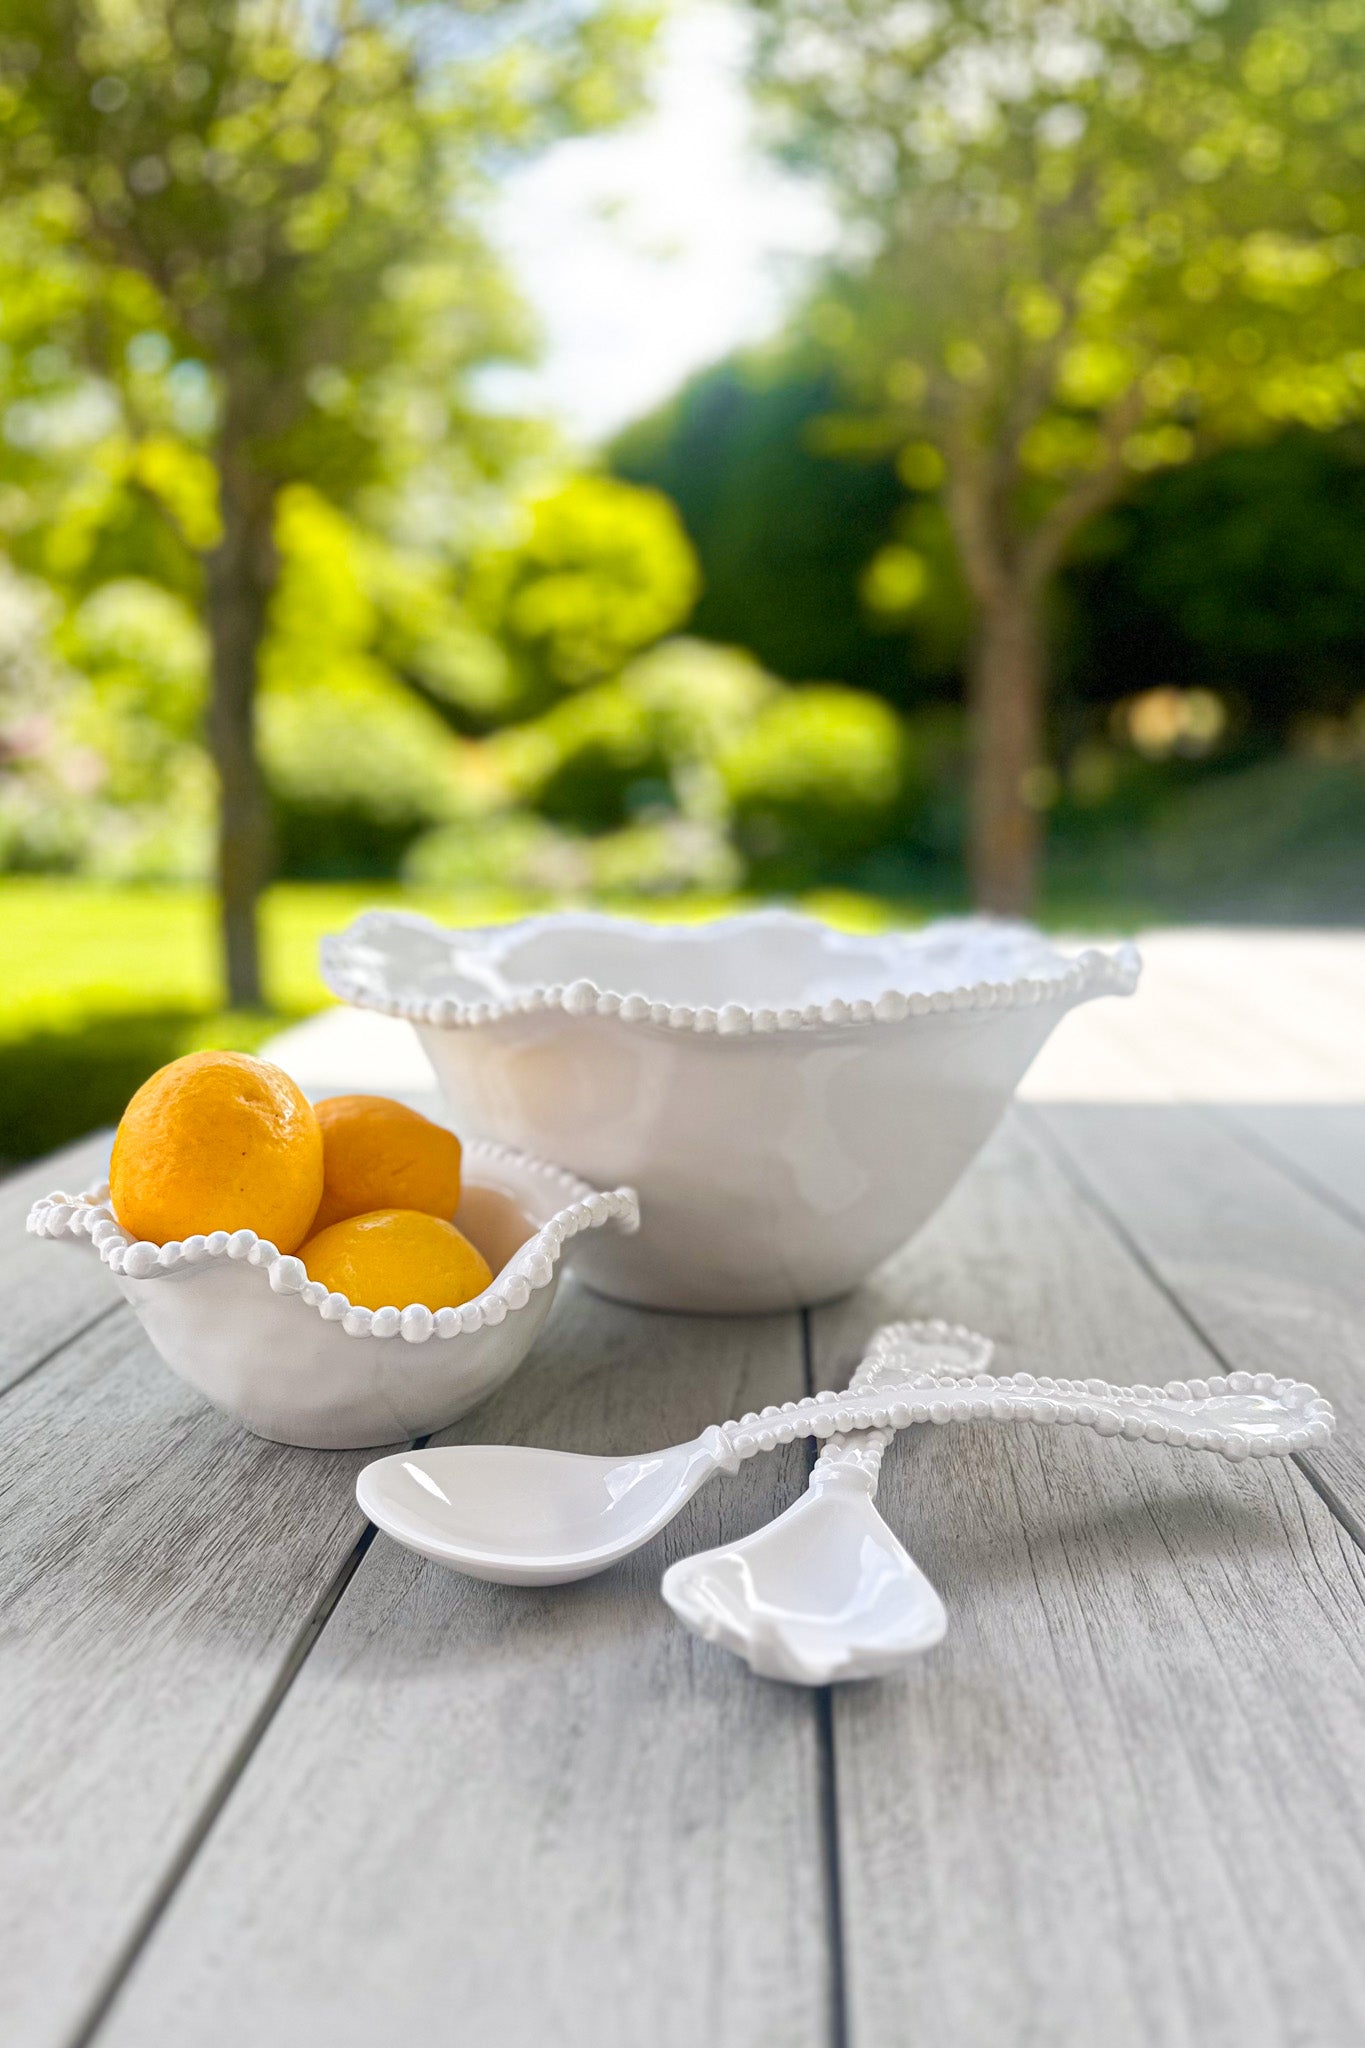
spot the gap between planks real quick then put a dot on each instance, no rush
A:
(1281, 1227)
(1065, 1823)
(646, 1803)
(217, 1798)
(163, 1569)
(312, 1632)
(1349, 1518)
(829, 1779)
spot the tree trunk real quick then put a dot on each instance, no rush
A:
(1005, 710)
(241, 574)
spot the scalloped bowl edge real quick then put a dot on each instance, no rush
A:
(780, 1153)
(241, 1321)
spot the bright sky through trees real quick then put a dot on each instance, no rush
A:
(657, 248)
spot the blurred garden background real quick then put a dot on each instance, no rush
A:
(1003, 548)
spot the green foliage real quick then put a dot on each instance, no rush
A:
(1244, 573)
(785, 528)
(693, 768)
(260, 234)
(103, 718)
(371, 661)
(355, 759)
(699, 701)
(815, 780)
(652, 735)
(136, 716)
(292, 211)
(665, 857)
(516, 850)
(1097, 236)
(1242, 570)
(599, 571)
(99, 768)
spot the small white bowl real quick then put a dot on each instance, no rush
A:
(792, 1102)
(243, 1323)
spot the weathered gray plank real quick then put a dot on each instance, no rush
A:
(1322, 1144)
(526, 1817)
(1125, 1801)
(1273, 1276)
(49, 1291)
(158, 1572)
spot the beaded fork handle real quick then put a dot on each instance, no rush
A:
(1238, 1415)
(940, 1347)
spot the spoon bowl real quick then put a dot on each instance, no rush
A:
(825, 1592)
(539, 1517)
(527, 1517)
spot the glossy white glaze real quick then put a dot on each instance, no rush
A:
(540, 1517)
(242, 1322)
(792, 1102)
(826, 1592)
(527, 1517)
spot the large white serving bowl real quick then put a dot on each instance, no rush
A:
(792, 1102)
(244, 1324)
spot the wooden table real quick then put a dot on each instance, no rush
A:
(264, 1780)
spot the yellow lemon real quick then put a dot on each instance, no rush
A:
(377, 1154)
(394, 1257)
(217, 1141)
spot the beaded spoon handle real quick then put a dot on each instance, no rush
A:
(937, 1347)
(1239, 1415)
(537, 1517)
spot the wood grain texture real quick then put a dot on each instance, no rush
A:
(526, 1817)
(1322, 1146)
(1124, 1802)
(48, 1291)
(1272, 1275)
(158, 1571)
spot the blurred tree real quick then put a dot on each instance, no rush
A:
(785, 529)
(355, 759)
(1240, 571)
(1243, 573)
(270, 213)
(1092, 238)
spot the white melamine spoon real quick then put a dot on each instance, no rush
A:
(539, 1518)
(827, 1591)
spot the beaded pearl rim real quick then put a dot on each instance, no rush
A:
(975, 1350)
(530, 1268)
(942, 1397)
(1090, 973)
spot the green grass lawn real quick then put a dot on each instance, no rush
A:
(73, 948)
(103, 985)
